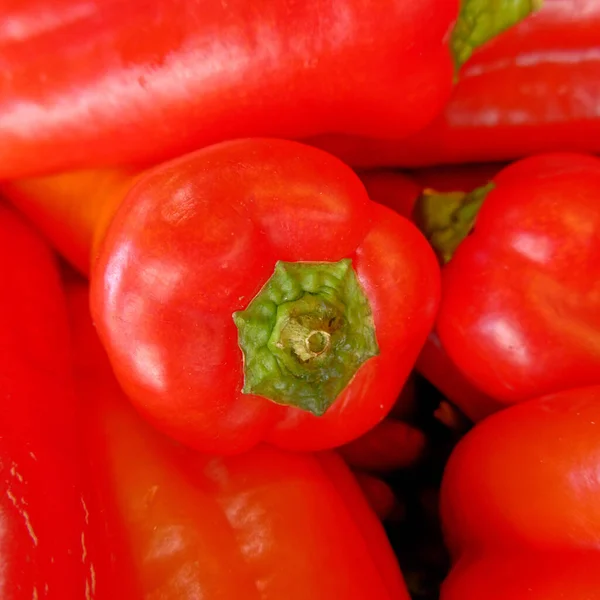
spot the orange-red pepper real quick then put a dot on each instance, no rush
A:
(519, 503)
(243, 227)
(265, 525)
(52, 539)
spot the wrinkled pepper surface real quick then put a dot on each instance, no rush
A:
(519, 503)
(95, 83)
(265, 525)
(265, 245)
(532, 89)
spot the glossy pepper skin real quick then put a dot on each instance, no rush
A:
(532, 89)
(49, 544)
(403, 193)
(202, 73)
(264, 525)
(520, 311)
(198, 238)
(164, 77)
(519, 503)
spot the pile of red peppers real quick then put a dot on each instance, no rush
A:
(301, 301)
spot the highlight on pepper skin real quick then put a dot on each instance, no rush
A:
(300, 300)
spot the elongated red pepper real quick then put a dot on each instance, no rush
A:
(520, 314)
(397, 191)
(264, 525)
(532, 89)
(519, 503)
(50, 542)
(165, 77)
(272, 247)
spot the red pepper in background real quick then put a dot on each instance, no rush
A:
(392, 444)
(72, 210)
(439, 369)
(533, 89)
(395, 443)
(519, 503)
(267, 524)
(520, 311)
(402, 193)
(455, 178)
(379, 495)
(400, 190)
(147, 81)
(199, 239)
(393, 189)
(51, 543)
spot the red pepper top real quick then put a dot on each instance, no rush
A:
(252, 291)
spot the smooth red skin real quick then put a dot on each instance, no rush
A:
(556, 576)
(164, 77)
(49, 546)
(263, 525)
(519, 502)
(520, 312)
(197, 238)
(400, 193)
(532, 89)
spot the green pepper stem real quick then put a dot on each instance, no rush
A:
(446, 219)
(305, 334)
(481, 20)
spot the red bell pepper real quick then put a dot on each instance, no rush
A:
(267, 524)
(284, 238)
(147, 81)
(50, 536)
(520, 311)
(402, 193)
(532, 89)
(519, 503)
